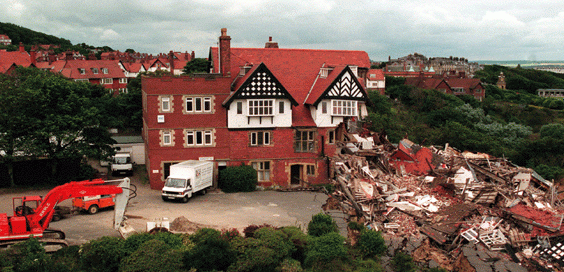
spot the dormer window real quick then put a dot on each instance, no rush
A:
(354, 69)
(244, 69)
(82, 71)
(95, 70)
(105, 70)
(324, 72)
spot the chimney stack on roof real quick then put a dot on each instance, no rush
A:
(225, 53)
(270, 43)
(21, 47)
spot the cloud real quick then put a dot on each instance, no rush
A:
(480, 29)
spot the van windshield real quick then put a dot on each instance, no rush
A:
(177, 183)
(122, 160)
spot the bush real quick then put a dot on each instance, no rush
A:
(211, 252)
(30, 256)
(403, 262)
(289, 265)
(300, 241)
(249, 231)
(371, 243)
(103, 254)
(326, 253)
(321, 224)
(238, 179)
(66, 259)
(133, 242)
(369, 265)
(265, 252)
(153, 255)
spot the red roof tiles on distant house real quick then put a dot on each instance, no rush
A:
(375, 74)
(13, 59)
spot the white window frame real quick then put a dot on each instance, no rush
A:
(105, 70)
(123, 80)
(82, 71)
(263, 170)
(81, 80)
(106, 81)
(199, 138)
(94, 70)
(167, 137)
(165, 103)
(260, 138)
(199, 104)
(344, 107)
(324, 107)
(260, 107)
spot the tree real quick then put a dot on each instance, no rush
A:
(129, 50)
(197, 65)
(61, 118)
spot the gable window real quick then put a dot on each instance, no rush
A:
(260, 138)
(94, 70)
(261, 107)
(199, 138)
(198, 104)
(344, 107)
(324, 107)
(458, 90)
(167, 137)
(239, 107)
(263, 170)
(105, 70)
(354, 69)
(304, 141)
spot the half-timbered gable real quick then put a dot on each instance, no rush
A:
(338, 97)
(259, 100)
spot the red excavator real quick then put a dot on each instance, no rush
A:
(32, 214)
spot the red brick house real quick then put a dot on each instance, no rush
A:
(275, 109)
(456, 86)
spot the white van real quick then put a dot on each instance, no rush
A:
(187, 178)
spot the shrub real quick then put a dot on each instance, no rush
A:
(238, 179)
(321, 224)
(153, 255)
(66, 259)
(353, 225)
(369, 265)
(289, 265)
(299, 239)
(212, 251)
(403, 262)
(265, 252)
(371, 243)
(133, 242)
(326, 252)
(103, 254)
(249, 231)
(30, 256)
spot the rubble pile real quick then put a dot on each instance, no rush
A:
(472, 211)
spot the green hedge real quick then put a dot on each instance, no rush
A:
(238, 179)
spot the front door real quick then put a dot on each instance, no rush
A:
(296, 174)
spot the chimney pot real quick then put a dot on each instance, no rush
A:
(270, 38)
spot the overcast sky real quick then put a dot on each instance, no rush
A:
(475, 29)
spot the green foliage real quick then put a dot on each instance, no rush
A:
(30, 256)
(321, 224)
(554, 130)
(392, 81)
(211, 251)
(326, 253)
(238, 179)
(289, 265)
(353, 225)
(27, 36)
(104, 254)
(153, 255)
(549, 172)
(66, 259)
(197, 65)
(371, 243)
(299, 239)
(369, 265)
(403, 262)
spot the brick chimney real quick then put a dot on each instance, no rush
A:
(225, 53)
(171, 61)
(270, 43)
(193, 55)
(33, 57)
(21, 47)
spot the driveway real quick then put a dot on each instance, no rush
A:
(215, 209)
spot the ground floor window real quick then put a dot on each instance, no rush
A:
(263, 170)
(311, 170)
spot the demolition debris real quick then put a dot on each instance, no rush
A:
(459, 210)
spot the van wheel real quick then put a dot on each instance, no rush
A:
(93, 209)
(185, 199)
(164, 198)
(204, 191)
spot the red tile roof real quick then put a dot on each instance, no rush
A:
(8, 59)
(71, 69)
(375, 74)
(296, 69)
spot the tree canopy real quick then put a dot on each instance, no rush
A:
(197, 65)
